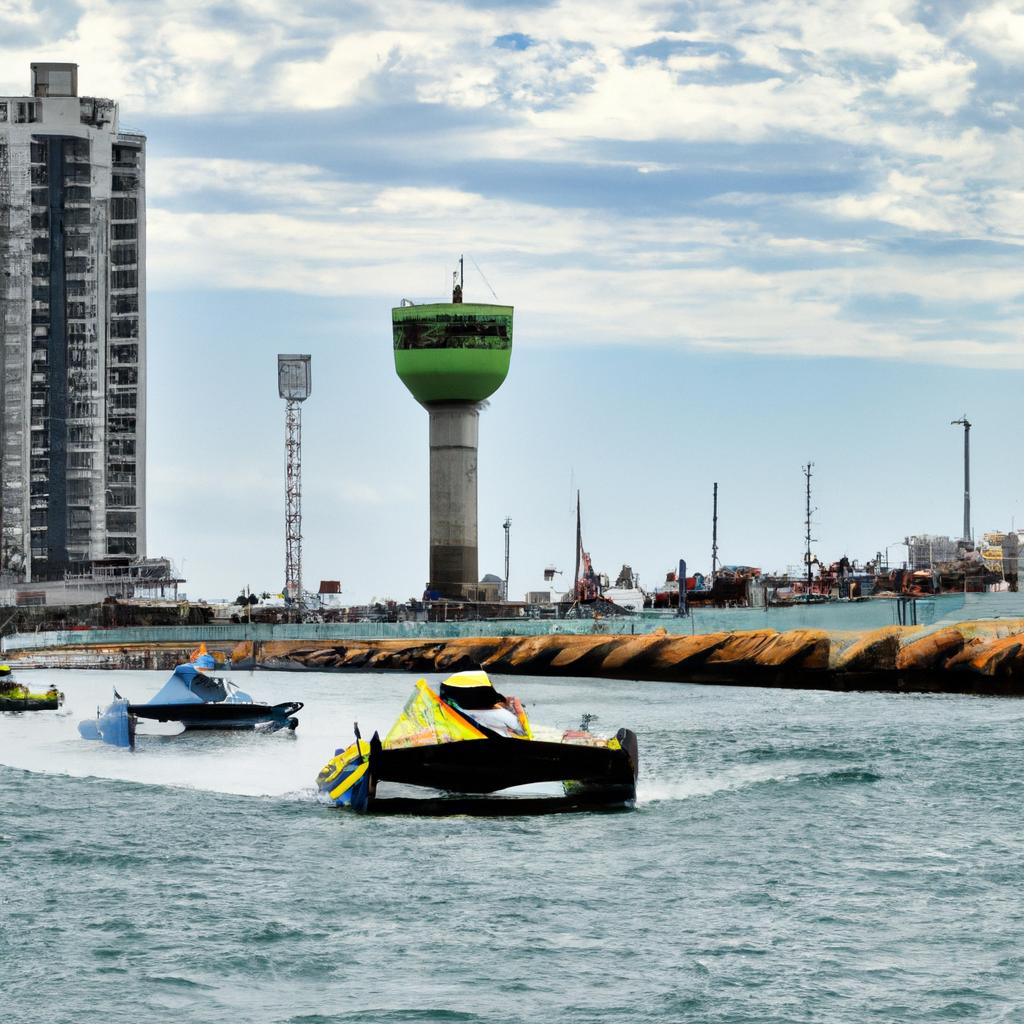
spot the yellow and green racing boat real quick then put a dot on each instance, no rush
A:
(457, 751)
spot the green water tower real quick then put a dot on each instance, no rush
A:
(452, 356)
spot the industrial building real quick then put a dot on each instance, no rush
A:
(72, 310)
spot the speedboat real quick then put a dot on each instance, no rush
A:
(14, 696)
(456, 751)
(197, 700)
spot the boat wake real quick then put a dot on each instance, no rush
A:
(793, 773)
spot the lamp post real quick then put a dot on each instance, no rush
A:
(895, 543)
(966, 424)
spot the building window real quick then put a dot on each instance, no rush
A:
(123, 447)
(124, 279)
(26, 112)
(124, 353)
(124, 329)
(76, 218)
(123, 255)
(3, 110)
(125, 376)
(121, 522)
(124, 209)
(122, 425)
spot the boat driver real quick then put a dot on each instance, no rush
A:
(473, 694)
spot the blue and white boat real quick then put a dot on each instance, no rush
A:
(196, 699)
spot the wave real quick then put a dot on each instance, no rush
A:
(746, 776)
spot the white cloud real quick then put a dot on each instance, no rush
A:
(880, 101)
(942, 84)
(999, 29)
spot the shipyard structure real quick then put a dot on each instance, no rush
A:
(73, 352)
(452, 356)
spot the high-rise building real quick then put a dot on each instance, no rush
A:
(73, 322)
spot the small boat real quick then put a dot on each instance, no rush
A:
(196, 699)
(16, 697)
(457, 750)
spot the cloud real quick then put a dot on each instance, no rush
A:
(747, 176)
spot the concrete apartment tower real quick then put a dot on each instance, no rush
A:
(72, 313)
(452, 356)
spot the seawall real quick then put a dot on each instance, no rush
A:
(982, 657)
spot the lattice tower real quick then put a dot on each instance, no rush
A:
(293, 500)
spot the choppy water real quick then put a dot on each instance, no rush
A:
(795, 857)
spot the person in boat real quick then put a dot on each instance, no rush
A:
(474, 695)
(9, 686)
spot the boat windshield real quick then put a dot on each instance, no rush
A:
(187, 686)
(426, 719)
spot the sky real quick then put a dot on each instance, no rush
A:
(739, 237)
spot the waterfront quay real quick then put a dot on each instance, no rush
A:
(943, 644)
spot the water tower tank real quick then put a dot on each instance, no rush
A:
(452, 351)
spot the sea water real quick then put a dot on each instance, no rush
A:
(794, 856)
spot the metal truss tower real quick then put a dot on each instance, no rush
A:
(294, 385)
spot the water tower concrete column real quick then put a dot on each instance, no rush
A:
(454, 436)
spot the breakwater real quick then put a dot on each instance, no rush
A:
(984, 657)
(971, 657)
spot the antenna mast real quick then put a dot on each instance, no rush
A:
(966, 424)
(807, 523)
(579, 547)
(714, 535)
(507, 525)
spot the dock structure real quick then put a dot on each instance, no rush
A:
(452, 356)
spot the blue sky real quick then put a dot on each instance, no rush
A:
(738, 237)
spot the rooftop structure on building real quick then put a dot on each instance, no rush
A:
(924, 551)
(72, 312)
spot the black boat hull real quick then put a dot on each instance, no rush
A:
(595, 777)
(221, 715)
(31, 703)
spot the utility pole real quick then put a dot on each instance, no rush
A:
(714, 535)
(507, 525)
(807, 523)
(294, 384)
(579, 548)
(965, 423)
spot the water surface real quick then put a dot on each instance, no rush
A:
(794, 857)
